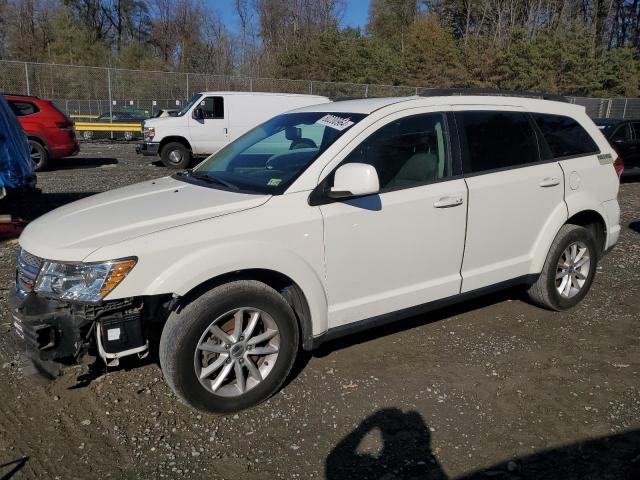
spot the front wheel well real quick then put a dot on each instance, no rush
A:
(167, 140)
(280, 282)
(593, 222)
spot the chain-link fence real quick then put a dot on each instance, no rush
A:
(95, 90)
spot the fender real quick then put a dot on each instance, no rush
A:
(201, 265)
(38, 138)
(575, 203)
(548, 232)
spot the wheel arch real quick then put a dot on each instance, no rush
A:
(174, 138)
(40, 140)
(283, 284)
(594, 222)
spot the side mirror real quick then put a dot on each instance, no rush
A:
(198, 114)
(354, 180)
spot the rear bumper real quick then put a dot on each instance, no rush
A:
(148, 148)
(65, 150)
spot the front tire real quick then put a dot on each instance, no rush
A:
(39, 155)
(231, 348)
(568, 270)
(175, 155)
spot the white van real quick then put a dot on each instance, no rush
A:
(210, 120)
(318, 223)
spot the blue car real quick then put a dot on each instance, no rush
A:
(16, 168)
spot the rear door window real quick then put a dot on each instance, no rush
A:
(22, 109)
(493, 140)
(564, 136)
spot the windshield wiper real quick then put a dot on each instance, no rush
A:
(208, 178)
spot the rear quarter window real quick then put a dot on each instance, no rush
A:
(564, 136)
(22, 109)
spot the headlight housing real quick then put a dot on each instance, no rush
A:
(82, 282)
(149, 132)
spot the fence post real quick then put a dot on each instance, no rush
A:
(608, 114)
(366, 91)
(311, 87)
(624, 110)
(26, 75)
(110, 100)
(251, 84)
(187, 96)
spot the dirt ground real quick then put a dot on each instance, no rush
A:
(494, 388)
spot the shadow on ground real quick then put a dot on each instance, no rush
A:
(403, 451)
(9, 469)
(74, 163)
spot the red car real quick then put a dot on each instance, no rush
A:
(50, 131)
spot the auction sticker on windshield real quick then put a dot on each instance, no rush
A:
(335, 122)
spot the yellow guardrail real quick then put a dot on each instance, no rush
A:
(83, 116)
(107, 127)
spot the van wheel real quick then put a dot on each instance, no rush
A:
(39, 155)
(175, 155)
(231, 348)
(568, 270)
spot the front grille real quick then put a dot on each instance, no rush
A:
(27, 269)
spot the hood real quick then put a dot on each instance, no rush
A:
(156, 122)
(72, 232)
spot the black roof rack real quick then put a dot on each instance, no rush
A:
(447, 92)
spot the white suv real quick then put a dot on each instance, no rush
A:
(320, 222)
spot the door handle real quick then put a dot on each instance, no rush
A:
(448, 202)
(549, 182)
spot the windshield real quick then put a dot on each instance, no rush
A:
(189, 104)
(270, 157)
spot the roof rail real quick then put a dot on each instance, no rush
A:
(447, 92)
(17, 95)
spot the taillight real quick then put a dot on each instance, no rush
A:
(618, 166)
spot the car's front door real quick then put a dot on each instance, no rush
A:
(512, 195)
(211, 132)
(402, 247)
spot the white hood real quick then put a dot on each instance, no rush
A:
(72, 232)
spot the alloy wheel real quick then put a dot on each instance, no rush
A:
(237, 351)
(573, 269)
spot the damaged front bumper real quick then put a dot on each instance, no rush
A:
(57, 333)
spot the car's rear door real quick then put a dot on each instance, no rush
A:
(401, 247)
(512, 194)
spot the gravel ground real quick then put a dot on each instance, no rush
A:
(494, 388)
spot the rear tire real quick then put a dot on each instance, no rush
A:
(568, 270)
(175, 155)
(39, 155)
(203, 339)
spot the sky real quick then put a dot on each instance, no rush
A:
(355, 15)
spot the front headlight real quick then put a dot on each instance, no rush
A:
(83, 282)
(149, 133)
